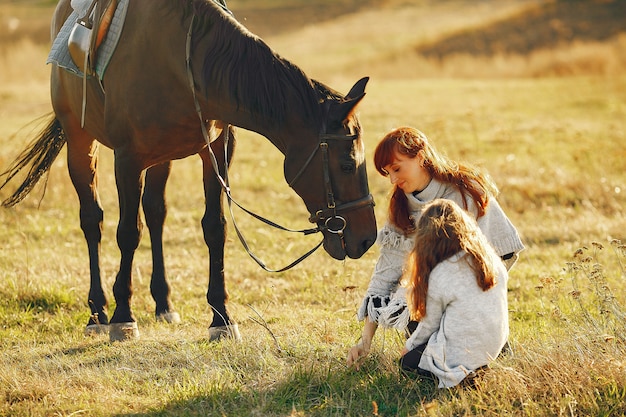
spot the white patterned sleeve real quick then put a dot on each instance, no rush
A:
(394, 248)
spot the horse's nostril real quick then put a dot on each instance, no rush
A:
(368, 243)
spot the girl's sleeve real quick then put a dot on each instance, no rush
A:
(394, 248)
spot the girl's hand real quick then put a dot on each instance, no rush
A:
(404, 351)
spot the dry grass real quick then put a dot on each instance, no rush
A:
(553, 143)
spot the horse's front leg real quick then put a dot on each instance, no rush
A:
(82, 161)
(214, 228)
(155, 211)
(129, 179)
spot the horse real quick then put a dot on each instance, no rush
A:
(184, 74)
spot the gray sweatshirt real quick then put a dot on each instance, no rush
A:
(464, 326)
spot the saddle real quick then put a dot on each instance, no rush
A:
(82, 44)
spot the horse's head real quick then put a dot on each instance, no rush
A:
(331, 178)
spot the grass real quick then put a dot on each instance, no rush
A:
(553, 144)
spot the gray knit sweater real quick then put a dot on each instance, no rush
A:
(385, 302)
(464, 327)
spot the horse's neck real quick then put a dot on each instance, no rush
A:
(278, 135)
(261, 92)
(222, 106)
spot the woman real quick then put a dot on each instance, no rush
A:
(455, 282)
(420, 174)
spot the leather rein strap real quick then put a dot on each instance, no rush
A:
(327, 215)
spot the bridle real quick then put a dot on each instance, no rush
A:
(327, 216)
(330, 213)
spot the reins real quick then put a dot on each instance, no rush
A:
(333, 222)
(223, 180)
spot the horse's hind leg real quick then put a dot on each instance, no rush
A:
(214, 228)
(82, 157)
(155, 211)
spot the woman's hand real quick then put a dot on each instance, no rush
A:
(362, 349)
(356, 354)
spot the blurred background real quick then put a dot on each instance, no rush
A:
(409, 38)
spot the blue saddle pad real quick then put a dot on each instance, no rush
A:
(60, 54)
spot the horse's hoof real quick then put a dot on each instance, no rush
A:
(96, 329)
(171, 318)
(222, 332)
(119, 332)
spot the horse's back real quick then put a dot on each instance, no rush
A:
(68, 94)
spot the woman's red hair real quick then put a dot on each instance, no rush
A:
(409, 141)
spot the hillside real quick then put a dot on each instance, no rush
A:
(549, 25)
(401, 38)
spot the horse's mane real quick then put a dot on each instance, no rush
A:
(257, 78)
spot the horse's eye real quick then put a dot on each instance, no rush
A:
(349, 167)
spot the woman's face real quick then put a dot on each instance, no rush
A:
(408, 173)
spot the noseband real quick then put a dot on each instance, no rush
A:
(333, 222)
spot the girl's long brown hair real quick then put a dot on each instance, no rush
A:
(443, 230)
(410, 141)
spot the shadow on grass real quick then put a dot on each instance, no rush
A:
(313, 392)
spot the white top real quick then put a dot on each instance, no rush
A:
(382, 304)
(465, 327)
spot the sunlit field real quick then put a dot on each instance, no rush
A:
(549, 126)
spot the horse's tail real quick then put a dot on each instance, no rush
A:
(39, 156)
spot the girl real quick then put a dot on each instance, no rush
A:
(457, 290)
(420, 174)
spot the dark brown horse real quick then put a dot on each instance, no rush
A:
(145, 112)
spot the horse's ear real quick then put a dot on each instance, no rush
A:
(358, 89)
(340, 111)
